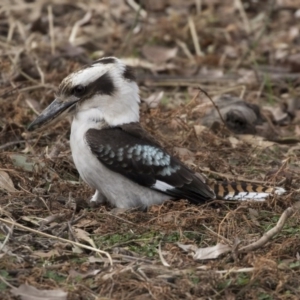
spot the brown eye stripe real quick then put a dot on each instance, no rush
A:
(103, 85)
(129, 74)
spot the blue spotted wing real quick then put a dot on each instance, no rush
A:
(131, 151)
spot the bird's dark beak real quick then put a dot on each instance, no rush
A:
(53, 111)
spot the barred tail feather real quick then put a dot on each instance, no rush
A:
(245, 191)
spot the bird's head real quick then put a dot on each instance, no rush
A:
(105, 90)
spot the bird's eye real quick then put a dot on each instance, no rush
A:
(78, 90)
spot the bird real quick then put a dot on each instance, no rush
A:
(125, 165)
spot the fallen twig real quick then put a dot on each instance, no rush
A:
(13, 223)
(195, 37)
(236, 178)
(215, 106)
(272, 232)
(51, 31)
(241, 270)
(86, 18)
(162, 259)
(9, 231)
(137, 8)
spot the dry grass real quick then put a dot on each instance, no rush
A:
(50, 236)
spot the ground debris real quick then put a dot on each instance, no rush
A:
(51, 241)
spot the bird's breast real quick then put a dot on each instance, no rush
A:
(84, 160)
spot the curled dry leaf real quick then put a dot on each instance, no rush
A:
(199, 129)
(184, 153)
(6, 183)
(211, 252)
(279, 114)
(154, 99)
(28, 292)
(50, 254)
(288, 3)
(233, 141)
(82, 235)
(256, 141)
(162, 259)
(26, 163)
(158, 54)
(206, 253)
(253, 213)
(73, 273)
(142, 63)
(187, 248)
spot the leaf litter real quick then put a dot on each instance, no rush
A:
(53, 244)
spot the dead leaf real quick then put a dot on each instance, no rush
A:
(26, 163)
(82, 235)
(187, 248)
(142, 63)
(52, 253)
(159, 54)
(93, 259)
(73, 273)
(211, 252)
(297, 130)
(278, 113)
(6, 183)
(32, 219)
(85, 222)
(28, 292)
(34, 105)
(233, 141)
(253, 213)
(199, 129)
(162, 259)
(184, 153)
(154, 99)
(288, 3)
(206, 253)
(155, 5)
(256, 141)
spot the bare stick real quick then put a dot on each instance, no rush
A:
(233, 270)
(214, 104)
(240, 7)
(194, 98)
(40, 72)
(238, 178)
(6, 282)
(51, 29)
(275, 230)
(198, 6)
(8, 235)
(162, 259)
(57, 238)
(195, 37)
(185, 49)
(38, 86)
(12, 26)
(137, 8)
(9, 144)
(86, 18)
(217, 235)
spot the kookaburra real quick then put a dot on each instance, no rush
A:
(112, 152)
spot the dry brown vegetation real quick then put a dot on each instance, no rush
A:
(49, 236)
